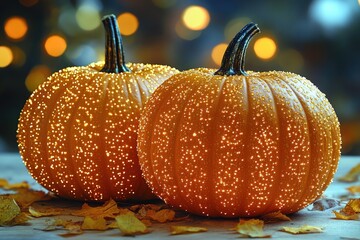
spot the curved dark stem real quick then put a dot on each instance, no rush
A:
(233, 61)
(114, 52)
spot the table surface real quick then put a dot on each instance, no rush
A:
(12, 169)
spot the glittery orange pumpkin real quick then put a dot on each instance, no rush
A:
(229, 143)
(77, 132)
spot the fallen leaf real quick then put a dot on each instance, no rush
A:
(324, 204)
(252, 228)
(352, 175)
(137, 207)
(9, 210)
(72, 229)
(108, 210)
(302, 230)
(112, 225)
(275, 217)
(25, 197)
(44, 211)
(342, 216)
(90, 223)
(161, 216)
(176, 230)
(354, 189)
(20, 219)
(129, 225)
(354, 204)
(8, 186)
(350, 211)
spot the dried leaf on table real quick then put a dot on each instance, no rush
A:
(176, 230)
(136, 208)
(252, 228)
(275, 217)
(43, 211)
(164, 215)
(9, 210)
(129, 225)
(352, 175)
(90, 223)
(354, 204)
(108, 210)
(324, 204)
(72, 229)
(302, 230)
(350, 211)
(8, 186)
(354, 189)
(25, 197)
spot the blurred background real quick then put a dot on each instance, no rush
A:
(319, 39)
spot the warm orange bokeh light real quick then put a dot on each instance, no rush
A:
(16, 27)
(128, 23)
(265, 48)
(217, 53)
(196, 18)
(6, 56)
(55, 45)
(37, 75)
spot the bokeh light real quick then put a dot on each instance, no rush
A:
(6, 56)
(88, 17)
(28, 3)
(128, 23)
(196, 18)
(16, 27)
(217, 53)
(265, 48)
(186, 33)
(55, 45)
(332, 14)
(37, 75)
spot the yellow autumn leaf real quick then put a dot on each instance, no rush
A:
(25, 197)
(8, 186)
(9, 210)
(176, 230)
(354, 204)
(108, 210)
(352, 175)
(275, 217)
(343, 216)
(161, 216)
(302, 230)
(354, 189)
(3, 182)
(72, 229)
(46, 211)
(350, 211)
(90, 223)
(129, 225)
(252, 228)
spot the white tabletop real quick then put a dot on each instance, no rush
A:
(12, 169)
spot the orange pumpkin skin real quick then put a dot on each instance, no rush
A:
(229, 146)
(77, 132)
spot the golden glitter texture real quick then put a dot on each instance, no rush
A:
(77, 132)
(238, 144)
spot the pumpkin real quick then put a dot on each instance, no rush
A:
(77, 132)
(230, 143)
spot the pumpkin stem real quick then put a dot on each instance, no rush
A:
(233, 61)
(114, 52)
